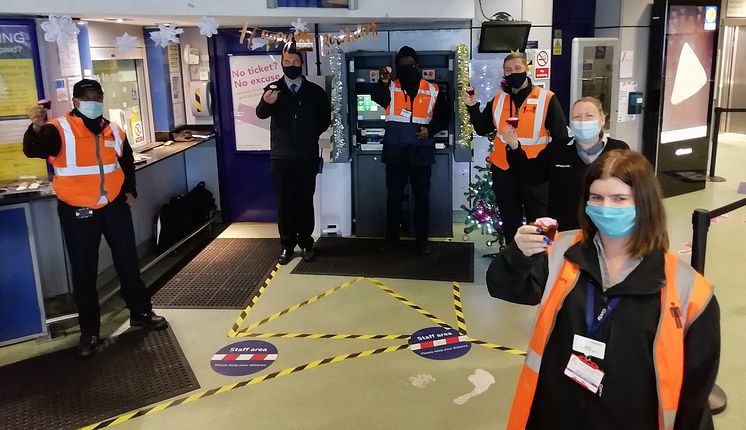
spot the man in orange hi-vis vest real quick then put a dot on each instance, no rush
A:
(415, 111)
(94, 180)
(627, 335)
(530, 115)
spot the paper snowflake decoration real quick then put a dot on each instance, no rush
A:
(166, 34)
(299, 26)
(60, 29)
(208, 26)
(257, 43)
(126, 42)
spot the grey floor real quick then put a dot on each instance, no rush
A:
(399, 389)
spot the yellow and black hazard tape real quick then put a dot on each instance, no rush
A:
(327, 336)
(409, 303)
(201, 395)
(502, 348)
(460, 318)
(241, 318)
(295, 307)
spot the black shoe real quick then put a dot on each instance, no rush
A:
(148, 321)
(86, 346)
(424, 248)
(308, 254)
(286, 256)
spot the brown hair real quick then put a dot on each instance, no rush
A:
(592, 100)
(634, 170)
(513, 56)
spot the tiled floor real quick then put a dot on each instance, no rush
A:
(399, 389)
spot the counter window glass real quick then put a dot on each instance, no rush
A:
(119, 79)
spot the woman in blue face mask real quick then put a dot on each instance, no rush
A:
(627, 335)
(564, 161)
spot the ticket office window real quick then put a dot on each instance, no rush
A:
(124, 101)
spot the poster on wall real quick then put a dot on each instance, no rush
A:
(17, 75)
(250, 74)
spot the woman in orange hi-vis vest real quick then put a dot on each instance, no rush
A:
(627, 335)
(527, 113)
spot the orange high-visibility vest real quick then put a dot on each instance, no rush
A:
(87, 171)
(531, 118)
(422, 109)
(685, 290)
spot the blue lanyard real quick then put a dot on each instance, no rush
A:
(593, 324)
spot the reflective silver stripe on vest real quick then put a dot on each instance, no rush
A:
(686, 278)
(85, 170)
(539, 116)
(433, 96)
(118, 144)
(71, 157)
(533, 360)
(562, 242)
(499, 102)
(669, 417)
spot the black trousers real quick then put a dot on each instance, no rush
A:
(82, 239)
(294, 182)
(515, 199)
(418, 177)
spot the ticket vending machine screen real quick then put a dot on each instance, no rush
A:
(368, 110)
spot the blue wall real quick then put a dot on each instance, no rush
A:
(160, 84)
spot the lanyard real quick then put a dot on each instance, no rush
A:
(593, 324)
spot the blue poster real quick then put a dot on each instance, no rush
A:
(437, 343)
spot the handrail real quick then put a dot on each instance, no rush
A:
(701, 225)
(716, 131)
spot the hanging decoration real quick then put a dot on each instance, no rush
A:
(303, 40)
(126, 42)
(339, 142)
(166, 34)
(208, 26)
(466, 129)
(60, 29)
(482, 212)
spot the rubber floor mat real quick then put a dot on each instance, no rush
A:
(60, 391)
(448, 261)
(224, 275)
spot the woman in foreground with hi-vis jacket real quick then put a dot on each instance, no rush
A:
(627, 335)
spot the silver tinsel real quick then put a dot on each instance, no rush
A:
(339, 142)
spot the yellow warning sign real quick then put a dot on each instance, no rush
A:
(557, 47)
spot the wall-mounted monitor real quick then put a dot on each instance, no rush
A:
(504, 36)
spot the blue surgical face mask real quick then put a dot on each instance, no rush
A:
(586, 131)
(91, 109)
(616, 222)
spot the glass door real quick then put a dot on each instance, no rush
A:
(595, 63)
(122, 96)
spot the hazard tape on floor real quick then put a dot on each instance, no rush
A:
(294, 308)
(245, 313)
(201, 395)
(326, 336)
(502, 348)
(409, 303)
(460, 318)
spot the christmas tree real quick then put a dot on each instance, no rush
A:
(482, 212)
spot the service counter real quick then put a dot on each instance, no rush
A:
(35, 268)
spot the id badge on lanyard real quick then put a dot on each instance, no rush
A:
(581, 368)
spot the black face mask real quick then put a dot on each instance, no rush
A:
(292, 72)
(409, 75)
(516, 80)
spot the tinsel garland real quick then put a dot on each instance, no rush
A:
(466, 130)
(339, 142)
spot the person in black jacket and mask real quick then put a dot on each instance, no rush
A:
(415, 111)
(564, 161)
(300, 112)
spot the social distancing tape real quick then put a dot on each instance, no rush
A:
(495, 346)
(326, 336)
(203, 394)
(409, 303)
(245, 313)
(460, 318)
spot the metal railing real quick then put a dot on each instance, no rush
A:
(716, 132)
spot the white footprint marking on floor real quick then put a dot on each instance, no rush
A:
(482, 380)
(421, 381)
